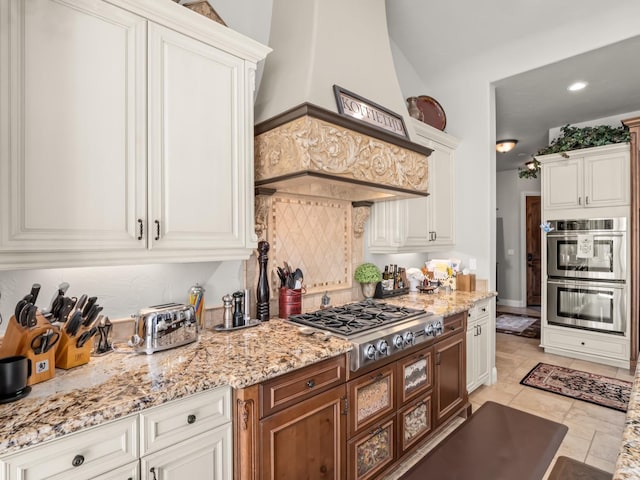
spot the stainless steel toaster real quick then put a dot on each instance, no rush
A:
(164, 326)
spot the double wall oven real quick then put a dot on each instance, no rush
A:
(587, 274)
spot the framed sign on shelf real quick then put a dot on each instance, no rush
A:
(359, 108)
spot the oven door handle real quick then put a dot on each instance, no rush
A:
(585, 283)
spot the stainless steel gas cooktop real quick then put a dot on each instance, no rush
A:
(376, 329)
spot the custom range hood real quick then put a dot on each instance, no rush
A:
(326, 54)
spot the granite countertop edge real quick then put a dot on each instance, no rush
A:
(121, 383)
(628, 461)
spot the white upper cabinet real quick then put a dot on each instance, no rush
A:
(420, 224)
(123, 141)
(588, 178)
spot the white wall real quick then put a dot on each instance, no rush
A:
(466, 93)
(509, 234)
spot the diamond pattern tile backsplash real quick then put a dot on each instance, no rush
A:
(315, 235)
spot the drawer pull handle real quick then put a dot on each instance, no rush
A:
(153, 470)
(377, 431)
(141, 227)
(451, 327)
(77, 460)
(191, 419)
(376, 377)
(157, 237)
(311, 383)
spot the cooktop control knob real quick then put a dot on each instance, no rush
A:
(439, 327)
(370, 352)
(408, 338)
(428, 330)
(383, 347)
(398, 341)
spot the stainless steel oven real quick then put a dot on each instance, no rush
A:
(588, 249)
(593, 305)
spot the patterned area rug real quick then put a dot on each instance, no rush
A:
(518, 325)
(589, 387)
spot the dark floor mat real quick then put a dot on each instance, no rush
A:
(496, 443)
(567, 468)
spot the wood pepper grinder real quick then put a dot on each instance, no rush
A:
(262, 294)
(238, 313)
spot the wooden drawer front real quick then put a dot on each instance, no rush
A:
(607, 345)
(291, 388)
(415, 375)
(454, 324)
(97, 451)
(372, 451)
(414, 422)
(179, 420)
(371, 397)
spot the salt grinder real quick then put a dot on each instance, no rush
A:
(227, 316)
(238, 314)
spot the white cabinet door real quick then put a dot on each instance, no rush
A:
(128, 472)
(442, 196)
(482, 349)
(562, 184)
(72, 126)
(197, 171)
(206, 456)
(606, 180)
(471, 362)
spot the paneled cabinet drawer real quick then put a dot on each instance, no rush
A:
(180, 420)
(415, 375)
(371, 397)
(414, 422)
(587, 342)
(454, 324)
(371, 452)
(291, 388)
(81, 455)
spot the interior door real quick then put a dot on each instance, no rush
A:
(534, 281)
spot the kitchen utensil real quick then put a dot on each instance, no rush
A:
(104, 330)
(297, 279)
(87, 307)
(32, 321)
(23, 316)
(282, 276)
(238, 316)
(73, 324)
(14, 373)
(90, 320)
(44, 341)
(81, 301)
(57, 296)
(85, 336)
(35, 290)
(65, 309)
(227, 316)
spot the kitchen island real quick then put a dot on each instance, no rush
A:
(121, 383)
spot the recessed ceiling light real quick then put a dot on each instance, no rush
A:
(574, 87)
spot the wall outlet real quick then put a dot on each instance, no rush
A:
(511, 251)
(473, 264)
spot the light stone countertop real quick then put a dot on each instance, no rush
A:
(122, 383)
(628, 463)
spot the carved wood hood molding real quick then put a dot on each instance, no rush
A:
(312, 151)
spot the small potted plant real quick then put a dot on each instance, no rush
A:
(368, 275)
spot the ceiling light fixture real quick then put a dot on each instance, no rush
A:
(504, 146)
(574, 87)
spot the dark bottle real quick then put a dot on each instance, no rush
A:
(262, 293)
(238, 314)
(385, 275)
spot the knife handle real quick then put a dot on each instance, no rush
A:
(35, 290)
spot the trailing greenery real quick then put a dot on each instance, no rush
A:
(368, 273)
(575, 138)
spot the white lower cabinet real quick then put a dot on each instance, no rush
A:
(587, 345)
(190, 438)
(480, 329)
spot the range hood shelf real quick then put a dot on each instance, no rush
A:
(308, 150)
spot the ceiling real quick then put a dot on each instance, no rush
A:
(530, 103)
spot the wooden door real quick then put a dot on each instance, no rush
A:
(534, 250)
(307, 440)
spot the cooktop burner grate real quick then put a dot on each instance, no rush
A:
(354, 318)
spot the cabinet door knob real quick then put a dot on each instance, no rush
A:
(77, 460)
(157, 222)
(140, 229)
(191, 419)
(582, 343)
(153, 471)
(311, 383)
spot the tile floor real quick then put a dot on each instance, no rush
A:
(595, 432)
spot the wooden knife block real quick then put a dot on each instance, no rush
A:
(17, 341)
(68, 355)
